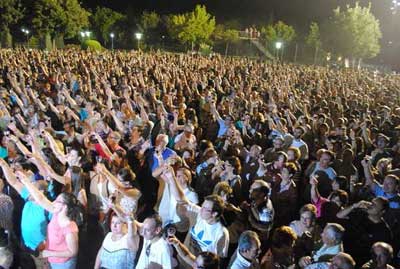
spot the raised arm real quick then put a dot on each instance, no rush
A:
(314, 189)
(54, 147)
(369, 179)
(39, 197)
(10, 176)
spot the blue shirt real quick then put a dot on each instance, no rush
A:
(223, 128)
(378, 191)
(165, 155)
(33, 222)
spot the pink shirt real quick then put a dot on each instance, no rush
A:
(56, 237)
(318, 205)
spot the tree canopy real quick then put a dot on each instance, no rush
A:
(192, 28)
(353, 32)
(279, 31)
(103, 21)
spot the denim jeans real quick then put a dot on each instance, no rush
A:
(70, 264)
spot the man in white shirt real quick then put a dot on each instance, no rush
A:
(155, 253)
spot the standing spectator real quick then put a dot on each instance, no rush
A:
(246, 256)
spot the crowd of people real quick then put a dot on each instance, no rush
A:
(156, 160)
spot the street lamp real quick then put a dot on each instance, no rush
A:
(26, 32)
(278, 46)
(112, 40)
(138, 37)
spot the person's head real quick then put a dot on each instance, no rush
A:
(117, 225)
(249, 245)
(228, 120)
(136, 132)
(206, 260)
(339, 182)
(278, 143)
(281, 159)
(382, 254)
(326, 158)
(308, 214)
(161, 141)
(381, 141)
(126, 175)
(332, 234)
(152, 227)
(298, 132)
(259, 191)
(293, 154)
(188, 130)
(255, 150)
(232, 165)
(378, 207)
(342, 261)
(212, 208)
(384, 165)
(339, 197)
(283, 237)
(391, 184)
(113, 138)
(67, 204)
(184, 176)
(288, 170)
(223, 189)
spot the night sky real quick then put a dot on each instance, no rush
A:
(298, 13)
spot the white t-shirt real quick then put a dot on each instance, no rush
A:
(157, 252)
(205, 237)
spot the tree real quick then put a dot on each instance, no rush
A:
(278, 32)
(62, 18)
(103, 20)
(11, 12)
(149, 20)
(354, 32)
(192, 28)
(228, 36)
(313, 39)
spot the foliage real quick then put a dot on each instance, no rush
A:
(221, 33)
(11, 12)
(92, 45)
(354, 32)
(103, 21)
(191, 28)
(59, 17)
(5, 39)
(278, 32)
(149, 20)
(313, 38)
(205, 49)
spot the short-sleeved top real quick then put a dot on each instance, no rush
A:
(33, 222)
(157, 252)
(56, 237)
(116, 254)
(205, 237)
(394, 199)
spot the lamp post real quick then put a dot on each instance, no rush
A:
(26, 32)
(138, 37)
(278, 46)
(112, 40)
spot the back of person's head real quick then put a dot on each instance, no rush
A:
(247, 240)
(342, 195)
(336, 232)
(346, 261)
(283, 237)
(126, 175)
(383, 202)
(342, 182)
(210, 260)
(218, 204)
(157, 220)
(235, 163)
(73, 206)
(222, 188)
(262, 187)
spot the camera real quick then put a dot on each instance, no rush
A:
(169, 230)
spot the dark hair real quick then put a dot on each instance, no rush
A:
(127, 174)
(218, 204)
(235, 162)
(343, 196)
(210, 260)
(342, 181)
(157, 220)
(73, 206)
